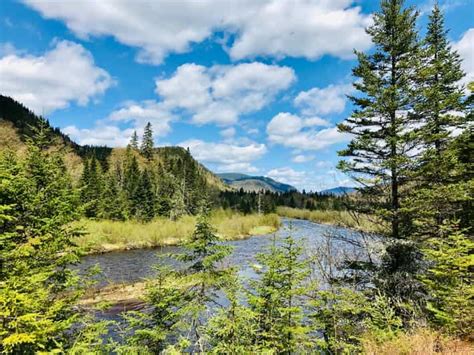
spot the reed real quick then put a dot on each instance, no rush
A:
(104, 235)
(339, 218)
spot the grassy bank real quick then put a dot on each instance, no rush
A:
(104, 235)
(337, 218)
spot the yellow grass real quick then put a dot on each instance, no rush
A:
(338, 218)
(421, 342)
(104, 235)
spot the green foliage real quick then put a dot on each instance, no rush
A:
(276, 298)
(382, 145)
(38, 290)
(234, 328)
(147, 142)
(449, 279)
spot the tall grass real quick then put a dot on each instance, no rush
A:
(421, 341)
(105, 235)
(338, 218)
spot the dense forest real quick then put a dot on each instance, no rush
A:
(411, 151)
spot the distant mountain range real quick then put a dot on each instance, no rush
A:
(254, 183)
(338, 191)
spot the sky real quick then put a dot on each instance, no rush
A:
(254, 87)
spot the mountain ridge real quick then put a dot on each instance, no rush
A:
(254, 183)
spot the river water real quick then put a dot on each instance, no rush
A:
(136, 265)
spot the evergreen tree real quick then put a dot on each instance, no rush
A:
(178, 205)
(440, 95)
(147, 142)
(383, 144)
(131, 185)
(146, 197)
(113, 200)
(276, 299)
(151, 332)
(449, 279)
(38, 288)
(92, 188)
(134, 141)
(384, 147)
(204, 277)
(232, 330)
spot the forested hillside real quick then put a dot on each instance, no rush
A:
(118, 183)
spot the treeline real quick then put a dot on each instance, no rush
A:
(142, 183)
(267, 201)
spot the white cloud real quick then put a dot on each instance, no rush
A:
(228, 132)
(220, 94)
(226, 157)
(45, 83)
(317, 101)
(110, 136)
(301, 158)
(306, 28)
(309, 180)
(292, 131)
(287, 175)
(465, 48)
(142, 113)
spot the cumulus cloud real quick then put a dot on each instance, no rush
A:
(220, 94)
(323, 101)
(293, 131)
(110, 136)
(301, 158)
(228, 132)
(142, 113)
(465, 48)
(290, 176)
(307, 28)
(226, 156)
(311, 181)
(62, 75)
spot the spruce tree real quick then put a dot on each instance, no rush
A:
(131, 185)
(382, 147)
(92, 188)
(276, 299)
(38, 288)
(146, 196)
(439, 94)
(113, 200)
(204, 277)
(134, 141)
(232, 330)
(147, 142)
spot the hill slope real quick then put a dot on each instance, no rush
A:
(16, 122)
(254, 183)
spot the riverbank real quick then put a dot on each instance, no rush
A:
(104, 235)
(331, 217)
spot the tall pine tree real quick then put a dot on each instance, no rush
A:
(384, 146)
(147, 142)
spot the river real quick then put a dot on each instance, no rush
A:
(135, 265)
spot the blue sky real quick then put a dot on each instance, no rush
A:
(249, 86)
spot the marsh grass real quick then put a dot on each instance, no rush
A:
(104, 235)
(420, 341)
(338, 218)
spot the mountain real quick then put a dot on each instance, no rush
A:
(254, 183)
(16, 122)
(338, 191)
